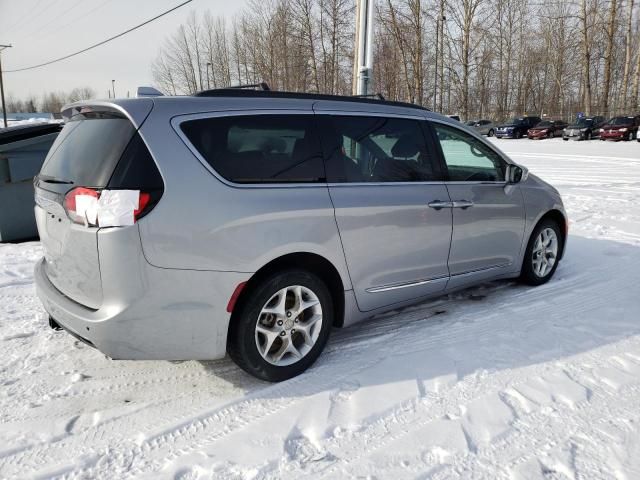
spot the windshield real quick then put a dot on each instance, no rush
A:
(470, 123)
(620, 121)
(517, 120)
(545, 124)
(584, 122)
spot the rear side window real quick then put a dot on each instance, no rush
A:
(88, 149)
(376, 149)
(259, 148)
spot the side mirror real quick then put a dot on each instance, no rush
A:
(516, 173)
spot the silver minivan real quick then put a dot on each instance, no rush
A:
(252, 222)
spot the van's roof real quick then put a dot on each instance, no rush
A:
(235, 99)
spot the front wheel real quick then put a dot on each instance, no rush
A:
(282, 327)
(518, 134)
(542, 254)
(491, 133)
(630, 136)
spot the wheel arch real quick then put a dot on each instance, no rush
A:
(311, 262)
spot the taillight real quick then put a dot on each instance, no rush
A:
(81, 205)
(106, 208)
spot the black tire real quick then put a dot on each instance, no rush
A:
(518, 134)
(565, 139)
(491, 133)
(630, 136)
(241, 341)
(587, 136)
(550, 134)
(527, 275)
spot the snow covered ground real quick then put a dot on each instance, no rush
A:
(501, 381)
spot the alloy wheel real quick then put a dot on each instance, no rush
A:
(288, 325)
(545, 252)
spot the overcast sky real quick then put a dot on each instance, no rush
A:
(41, 30)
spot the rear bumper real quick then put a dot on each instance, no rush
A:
(505, 135)
(173, 315)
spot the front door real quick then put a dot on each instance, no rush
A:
(382, 178)
(488, 213)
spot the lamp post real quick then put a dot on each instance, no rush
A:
(209, 65)
(4, 107)
(364, 46)
(113, 88)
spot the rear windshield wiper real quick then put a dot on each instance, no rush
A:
(48, 179)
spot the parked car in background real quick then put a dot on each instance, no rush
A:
(547, 129)
(483, 127)
(454, 117)
(517, 127)
(638, 135)
(584, 129)
(620, 128)
(306, 212)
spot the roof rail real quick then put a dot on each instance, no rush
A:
(378, 95)
(264, 86)
(239, 92)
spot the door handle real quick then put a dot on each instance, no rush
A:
(462, 204)
(439, 204)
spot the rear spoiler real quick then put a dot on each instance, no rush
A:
(135, 109)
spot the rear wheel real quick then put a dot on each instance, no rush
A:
(630, 136)
(518, 134)
(282, 327)
(542, 254)
(491, 133)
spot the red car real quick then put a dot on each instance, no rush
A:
(620, 128)
(547, 129)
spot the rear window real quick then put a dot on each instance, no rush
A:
(88, 149)
(259, 148)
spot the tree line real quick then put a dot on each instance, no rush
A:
(50, 102)
(475, 58)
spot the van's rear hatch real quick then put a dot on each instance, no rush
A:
(97, 147)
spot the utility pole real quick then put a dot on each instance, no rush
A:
(4, 107)
(113, 87)
(364, 46)
(208, 84)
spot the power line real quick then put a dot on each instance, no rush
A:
(55, 18)
(29, 17)
(102, 42)
(59, 28)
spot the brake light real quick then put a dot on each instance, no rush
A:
(105, 208)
